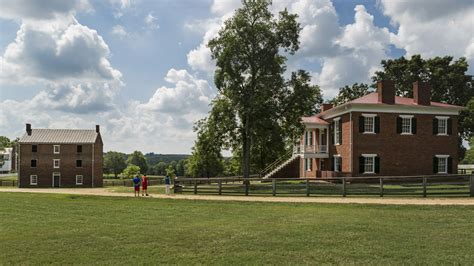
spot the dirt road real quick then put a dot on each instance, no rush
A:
(386, 200)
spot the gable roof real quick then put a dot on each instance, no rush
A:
(373, 98)
(314, 120)
(60, 136)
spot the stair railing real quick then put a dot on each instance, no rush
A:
(278, 161)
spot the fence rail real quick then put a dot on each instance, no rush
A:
(439, 185)
(8, 183)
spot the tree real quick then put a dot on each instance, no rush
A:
(170, 171)
(250, 53)
(347, 93)
(114, 162)
(137, 158)
(469, 157)
(206, 158)
(131, 171)
(447, 78)
(180, 168)
(5, 142)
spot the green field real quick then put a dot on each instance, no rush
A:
(64, 229)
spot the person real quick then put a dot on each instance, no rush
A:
(136, 185)
(144, 185)
(167, 184)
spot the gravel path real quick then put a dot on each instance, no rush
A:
(387, 200)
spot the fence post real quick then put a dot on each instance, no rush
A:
(274, 186)
(471, 186)
(220, 187)
(381, 187)
(195, 187)
(343, 187)
(307, 188)
(246, 187)
(424, 187)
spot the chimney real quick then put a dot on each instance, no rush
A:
(97, 128)
(28, 129)
(386, 91)
(326, 106)
(421, 93)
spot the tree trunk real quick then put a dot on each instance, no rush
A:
(246, 149)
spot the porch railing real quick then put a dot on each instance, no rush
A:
(311, 149)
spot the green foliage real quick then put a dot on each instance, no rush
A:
(5, 142)
(469, 156)
(347, 93)
(131, 171)
(170, 171)
(447, 78)
(259, 110)
(114, 163)
(137, 158)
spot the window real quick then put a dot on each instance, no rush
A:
(56, 149)
(369, 123)
(442, 161)
(406, 124)
(78, 163)
(337, 131)
(78, 179)
(79, 148)
(34, 148)
(308, 164)
(337, 163)
(442, 126)
(56, 163)
(33, 180)
(6, 157)
(369, 164)
(33, 163)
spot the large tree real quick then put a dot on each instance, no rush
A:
(4, 142)
(114, 162)
(250, 53)
(347, 93)
(447, 78)
(137, 158)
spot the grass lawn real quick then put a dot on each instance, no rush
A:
(65, 229)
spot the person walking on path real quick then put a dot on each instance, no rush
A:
(136, 185)
(167, 184)
(144, 185)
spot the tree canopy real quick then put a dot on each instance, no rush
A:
(347, 93)
(114, 162)
(137, 158)
(263, 109)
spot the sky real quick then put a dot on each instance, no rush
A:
(141, 68)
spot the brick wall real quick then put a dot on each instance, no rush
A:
(68, 170)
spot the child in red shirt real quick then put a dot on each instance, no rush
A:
(144, 185)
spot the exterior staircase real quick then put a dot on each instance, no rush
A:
(277, 165)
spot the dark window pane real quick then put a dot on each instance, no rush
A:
(78, 163)
(79, 148)
(33, 163)
(34, 148)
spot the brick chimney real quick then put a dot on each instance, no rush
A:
(386, 91)
(326, 106)
(97, 128)
(28, 129)
(421, 93)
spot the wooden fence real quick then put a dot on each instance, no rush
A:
(436, 185)
(8, 183)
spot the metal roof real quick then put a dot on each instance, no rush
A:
(60, 136)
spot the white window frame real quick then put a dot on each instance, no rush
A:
(366, 157)
(410, 126)
(308, 138)
(308, 163)
(81, 178)
(58, 149)
(369, 117)
(336, 131)
(445, 121)
(445, 158)
(35, 178)
(54, 163)
(337, 159)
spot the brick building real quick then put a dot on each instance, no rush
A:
(60, 158)
(379, 134)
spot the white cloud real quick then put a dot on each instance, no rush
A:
(119, 31)
(40, 10)
(433, 27)
(150, 22)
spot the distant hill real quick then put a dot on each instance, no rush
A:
(153, 158)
